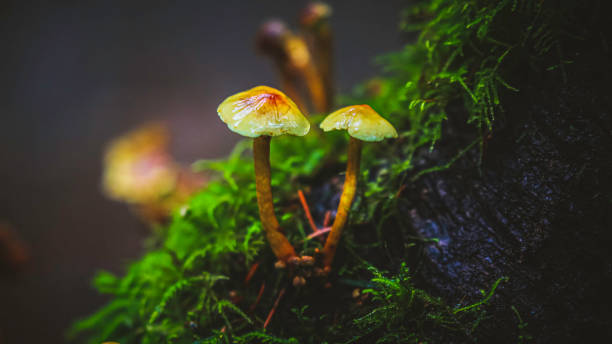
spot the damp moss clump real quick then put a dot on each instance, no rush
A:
(208, 276)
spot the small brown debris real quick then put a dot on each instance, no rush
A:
(299, 281)
(294, 261)
(280, 264)
(307, 261)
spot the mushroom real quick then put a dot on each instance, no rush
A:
(362, 124)
(139, 170)
(260, 113)
(293, 60)
(314, 21)
(270, 40)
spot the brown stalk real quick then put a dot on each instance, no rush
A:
(317, 31)
(278, 242)
(348, 193)
(271, 40)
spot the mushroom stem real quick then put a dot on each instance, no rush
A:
(278, 242)
(271, 40)
(325, 65)
(289, 85)
(316, 87)
(315, 25)
(348, 193)
(320, 41)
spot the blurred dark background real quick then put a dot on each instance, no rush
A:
(75, 74)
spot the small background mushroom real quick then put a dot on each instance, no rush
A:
(140, 171)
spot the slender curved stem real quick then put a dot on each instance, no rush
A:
(320, 39)
(290, 87)
(348, 193)
(277, 240)
(316, 87)
(326, 62)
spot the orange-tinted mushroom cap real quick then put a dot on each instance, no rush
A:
(314, 13)
(138, 167)
(270, 38)
(263, 110)
(361, 122)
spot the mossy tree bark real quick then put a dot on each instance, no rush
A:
(539, 209)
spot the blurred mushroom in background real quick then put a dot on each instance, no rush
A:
(14, 253)
(294, 62)
(139, 170)
(316, 28)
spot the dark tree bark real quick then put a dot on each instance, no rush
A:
(538, 210)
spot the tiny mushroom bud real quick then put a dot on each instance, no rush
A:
(294, 261)
(299, 281)
(234, 296)
(260, 113)
(326, 270)
(362, 124)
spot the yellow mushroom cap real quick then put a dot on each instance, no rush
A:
(361, 122)
(315, 12)
(138, 167)
(263, 110)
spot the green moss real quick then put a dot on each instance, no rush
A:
(178, 292)
(406, 314)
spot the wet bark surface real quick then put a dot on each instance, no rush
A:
(537, 210)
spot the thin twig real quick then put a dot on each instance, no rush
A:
(280, 295)
(252, 270)
(327, 218)
(261, 291)
(307, 211)
(319, 232)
